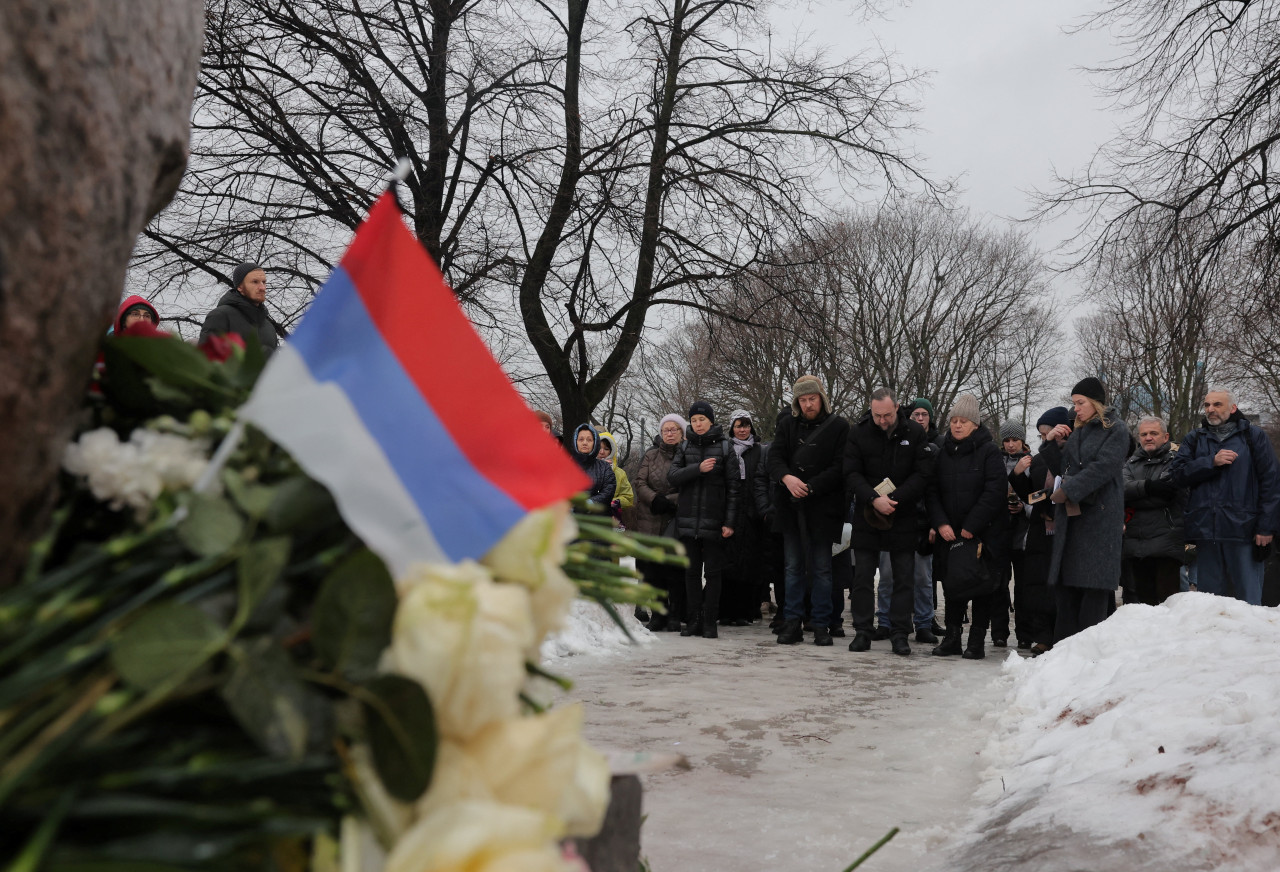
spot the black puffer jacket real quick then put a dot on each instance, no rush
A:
(812, 451)
(906, 457)
(708, 500)
(1155, 530)
(236, 313)
(603, 481)
(970, 487)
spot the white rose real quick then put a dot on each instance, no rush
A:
(480, 837)
(534, 547)
(538, 762)
(178, 461)
(117, 474)
(464, 638)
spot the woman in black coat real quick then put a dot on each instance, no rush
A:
(968, 501)
(1037, 611)
(743, 573)
(706, 472)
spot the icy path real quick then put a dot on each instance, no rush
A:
(802, 756)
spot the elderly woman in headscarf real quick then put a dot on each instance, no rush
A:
(743, 577)
(655, 513)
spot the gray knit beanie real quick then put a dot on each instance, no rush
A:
(966, 406)
(1012, 430)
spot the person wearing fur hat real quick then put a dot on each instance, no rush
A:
(888, 464)
(1088, 524)
(967, 503)
(806, 466)
(743, 575)
(1013, 448)
(655, 511)
(243, 310)
(705, 472)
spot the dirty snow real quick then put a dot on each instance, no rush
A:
(803, 756)
(1149, 741)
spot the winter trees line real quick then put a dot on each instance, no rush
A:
(580, 166)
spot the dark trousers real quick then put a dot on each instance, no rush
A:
(982, 608)
(740, 594)
(706, 556)
(1079, 608)
(1002, 602)
(670, 580)
(1155, 579)
(862, 598)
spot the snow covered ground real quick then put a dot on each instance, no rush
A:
(1150, 741)
(1147, 742)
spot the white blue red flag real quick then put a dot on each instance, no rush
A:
(386, 395)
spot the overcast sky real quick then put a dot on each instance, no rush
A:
(1006, 101)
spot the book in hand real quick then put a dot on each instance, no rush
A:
(885, 488)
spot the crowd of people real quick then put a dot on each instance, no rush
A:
(891, 510)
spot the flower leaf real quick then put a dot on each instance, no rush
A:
(257, 569)
(253, 499)
(166, 642)
(299, 503)
(284, 716)
(351, 624)
(212, 525)
(401, 727)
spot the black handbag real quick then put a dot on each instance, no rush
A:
(968, 573)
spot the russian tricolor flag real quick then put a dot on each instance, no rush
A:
(386, 394)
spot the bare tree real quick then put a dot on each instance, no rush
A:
(591, 168)
(95, 102)
(1199, 81)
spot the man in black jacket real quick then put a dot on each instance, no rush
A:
(805, 465)
(243, 310)
(1153, 541)
(888, 463)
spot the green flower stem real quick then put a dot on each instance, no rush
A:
(560, 681)
(43, 546)
(876, 847)
(32, 856)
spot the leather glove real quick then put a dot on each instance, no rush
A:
(661, 505)
(1161, 489)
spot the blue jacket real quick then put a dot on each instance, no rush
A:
(1228, 503)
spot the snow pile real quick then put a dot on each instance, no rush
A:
(1149, 741)
(590, 630)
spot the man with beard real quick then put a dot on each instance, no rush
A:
(805, 465)
(243, 310)
(1230, 469)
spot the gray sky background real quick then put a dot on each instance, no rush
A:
(1006, 101)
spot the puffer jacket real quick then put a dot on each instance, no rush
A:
(1155, 530)
(1231, 503)
(651, 482)
(236, 313)
(970, 489)
(708, 500)
(603, 481)
(906, 457)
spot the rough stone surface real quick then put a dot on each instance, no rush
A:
(95, 102)
(802, 756)
(617, 847)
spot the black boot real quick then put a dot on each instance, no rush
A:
(882, 633)
(900, 646)
(924, 637)
(709, 626)
(693, 626)
(673, 625)
(861, 641)
(642, 615)
(950, 645)
(821, 636)
(657, 623)
(976, 649)
(790, 633)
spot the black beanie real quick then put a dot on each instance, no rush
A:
(1055, 416)
(1092, 388)
(239, 273)
(702, 407)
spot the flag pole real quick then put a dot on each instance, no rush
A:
(398, 173)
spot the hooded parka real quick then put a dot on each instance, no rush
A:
(236, 313)
(603, 481)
